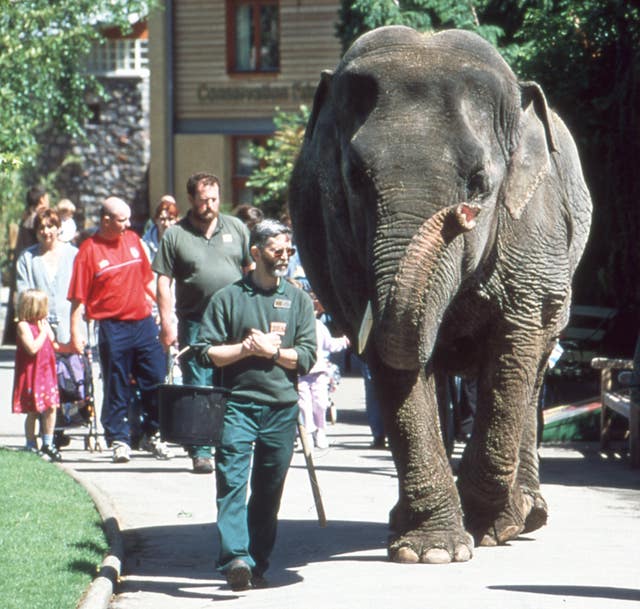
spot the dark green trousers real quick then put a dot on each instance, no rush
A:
(248, 531)
(193, 373)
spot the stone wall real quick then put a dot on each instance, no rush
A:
(112, 160)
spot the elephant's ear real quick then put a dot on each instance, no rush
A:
(313, 173)
(530, 161)
(319, 100)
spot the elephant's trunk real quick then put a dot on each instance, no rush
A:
(426, 280)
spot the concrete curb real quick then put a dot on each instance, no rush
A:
(102, 588)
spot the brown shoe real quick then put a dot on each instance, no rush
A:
(238, 575)
(202, 465)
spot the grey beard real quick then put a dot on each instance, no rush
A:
(274, 269)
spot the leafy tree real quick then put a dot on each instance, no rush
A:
(43, 84)
(359, 16)
(356, 18)
(43, 48)
(276, 160)
(586, 54)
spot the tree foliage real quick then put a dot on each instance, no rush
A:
(43, 84)
(586, 55)
(276, 159)
(359, 16)
(43, 48)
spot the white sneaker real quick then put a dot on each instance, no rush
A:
(156, 447)
(121, 452)
(320, 439)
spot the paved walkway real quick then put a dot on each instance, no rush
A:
(588, 555)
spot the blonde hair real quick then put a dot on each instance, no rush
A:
(66, 207)
(33, 305)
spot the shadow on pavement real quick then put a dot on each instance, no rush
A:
(352, 417)
(108, 468)
(618, 594)
(591, 470)
(387, 471)
(189, 551)
(177, 590)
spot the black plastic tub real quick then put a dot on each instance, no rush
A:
(191, 414)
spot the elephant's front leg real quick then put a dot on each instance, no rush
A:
(499, 463)
(528, 466)
(426, 522)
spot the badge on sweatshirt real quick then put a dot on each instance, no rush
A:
(278, 327)
(281, 303)
(227, 238)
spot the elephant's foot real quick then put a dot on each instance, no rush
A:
(500, 531)
(538, 511)
(432, 547)
(525, 511)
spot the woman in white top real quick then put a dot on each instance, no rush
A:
(47, 266)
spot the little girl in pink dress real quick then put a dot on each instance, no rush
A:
(35, 386)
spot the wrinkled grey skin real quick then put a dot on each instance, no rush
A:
(435, 185)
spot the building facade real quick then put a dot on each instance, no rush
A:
(219, 69)
(113, 157)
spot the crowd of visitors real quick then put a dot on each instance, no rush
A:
(226, 292)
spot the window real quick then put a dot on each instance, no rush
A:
(124, 56)
(253, 36)
(243, 165)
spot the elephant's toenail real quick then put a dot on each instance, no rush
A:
(488, 541)
(406, 555)
(436, 556)
(508, 533)
(463, 554)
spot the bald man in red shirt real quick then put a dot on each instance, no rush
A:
(112, 284)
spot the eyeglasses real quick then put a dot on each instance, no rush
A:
(290, 251)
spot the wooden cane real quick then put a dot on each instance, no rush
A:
(315, 488)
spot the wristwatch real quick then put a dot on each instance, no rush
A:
(276, 355)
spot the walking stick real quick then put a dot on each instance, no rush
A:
(315, 488)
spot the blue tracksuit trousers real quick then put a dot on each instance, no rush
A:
(128, 349)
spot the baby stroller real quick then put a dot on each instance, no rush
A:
(77, 408)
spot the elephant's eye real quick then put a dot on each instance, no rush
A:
(478, 185)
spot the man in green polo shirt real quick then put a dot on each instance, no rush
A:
(260, 333)
(203, 252)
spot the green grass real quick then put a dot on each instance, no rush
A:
(51, 537)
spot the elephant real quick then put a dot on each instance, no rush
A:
(440, 202)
